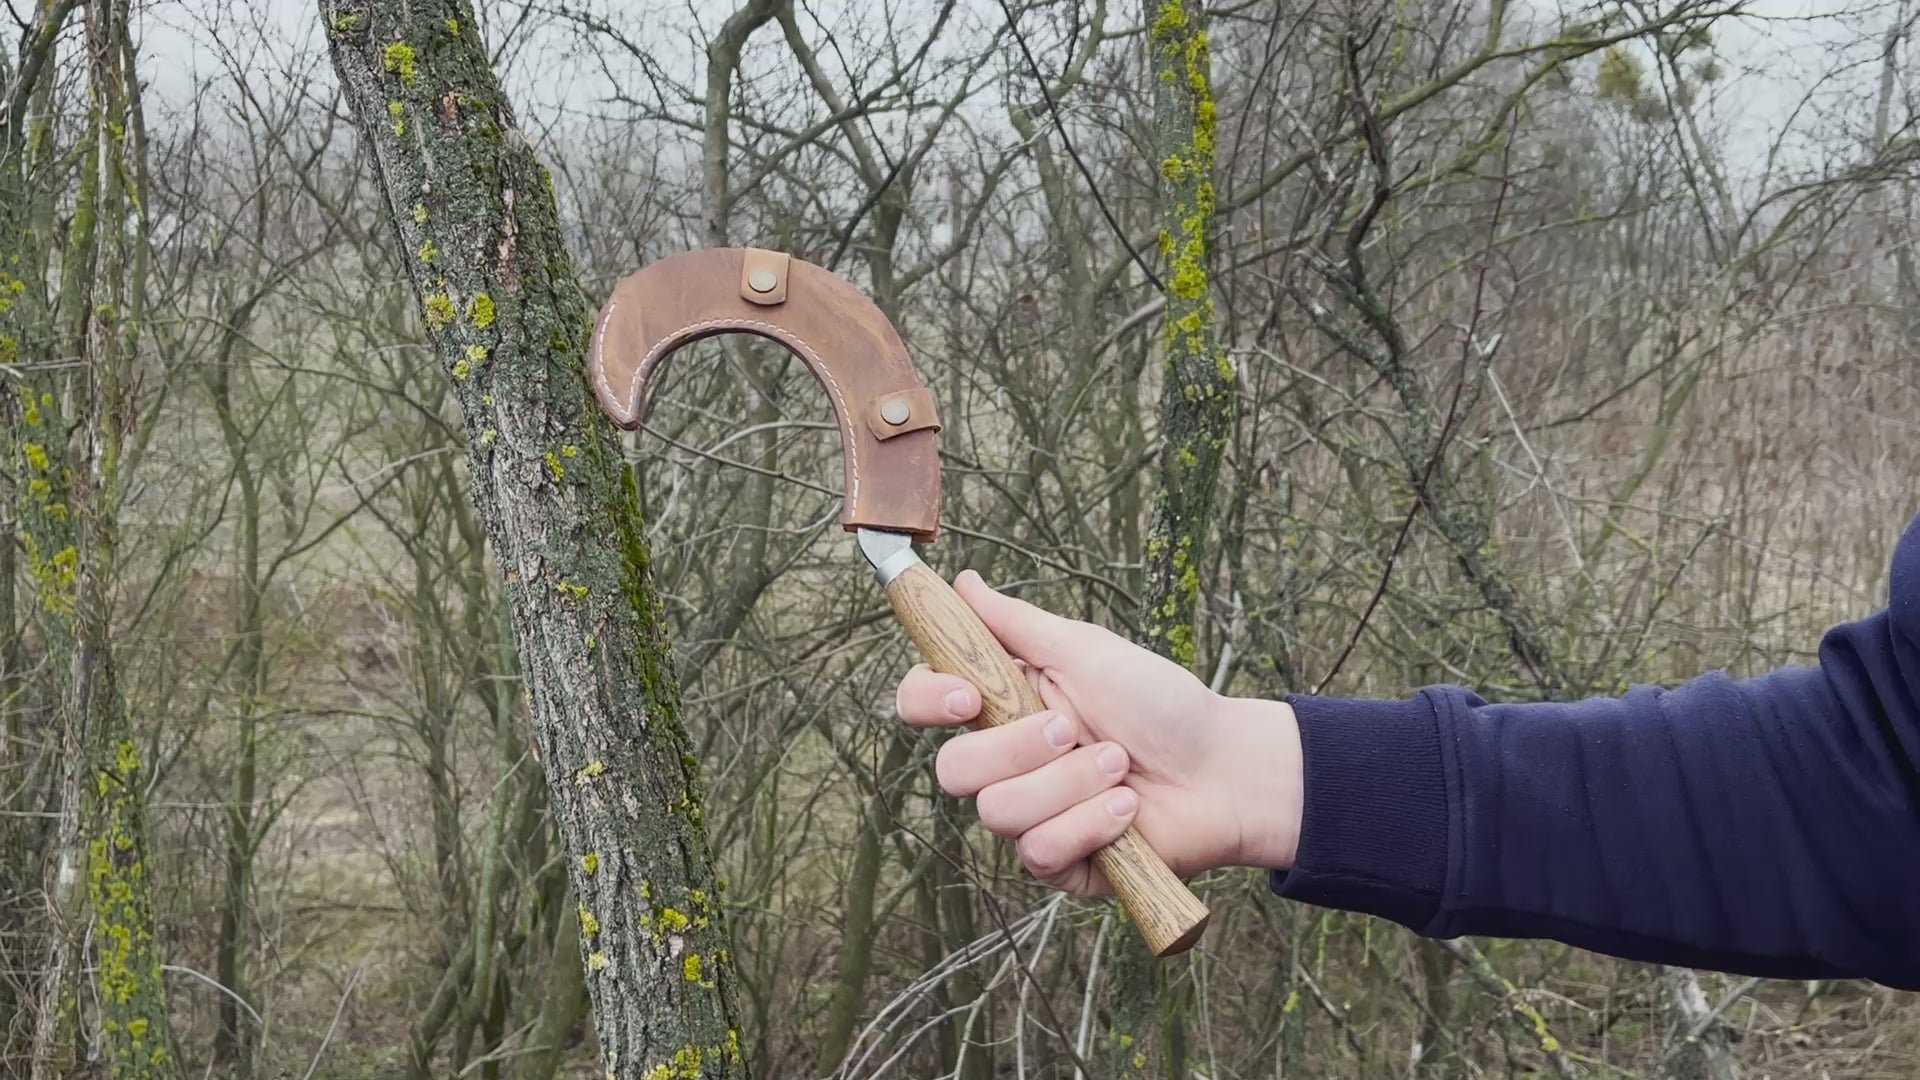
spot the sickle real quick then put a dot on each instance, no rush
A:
(887, 429)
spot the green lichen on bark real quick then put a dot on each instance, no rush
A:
(505, 316)
(1196, 407)
(1148, 1017)
(120, 891)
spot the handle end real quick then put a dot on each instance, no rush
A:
(1169, 916)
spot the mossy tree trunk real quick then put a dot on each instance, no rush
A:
(508, 322)
(66, 439)
(77, 583)
(31, 875)
(1149, 1003)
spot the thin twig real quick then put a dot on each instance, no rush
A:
(337, 1011)
(1053, 113)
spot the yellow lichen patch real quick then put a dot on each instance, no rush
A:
(690, 967)
(554, 468)
(460, 370)
(489, 437)
(1169, 20)
(128, 966)
(397, 58)
(480, 311)
(592, 769)
(36, 455)
(53, 577)
(476, 354)
(439, 309)
(569, 589)
(1189, 280)
(672, 921)
(596, 961)
(428, 252)
(589, 925)
(589, 864)
(419, 213)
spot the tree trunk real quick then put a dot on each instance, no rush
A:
(231, 1040)
(506, 317)
(859, 930)
(1149, 1011)
(39, 857)
(134, 1033)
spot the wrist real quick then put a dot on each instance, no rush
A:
(1265, 785)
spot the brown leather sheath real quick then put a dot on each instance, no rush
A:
(886, 417)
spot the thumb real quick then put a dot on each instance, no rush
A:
(1033, 634)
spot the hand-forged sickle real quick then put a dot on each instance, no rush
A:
(887, 430)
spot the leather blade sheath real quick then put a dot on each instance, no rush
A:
(885, 415)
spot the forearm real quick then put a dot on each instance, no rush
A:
(1769, 826)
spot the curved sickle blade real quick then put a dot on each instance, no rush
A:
(885, 415)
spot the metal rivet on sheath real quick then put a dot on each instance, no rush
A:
(894, 411)
(762, 280)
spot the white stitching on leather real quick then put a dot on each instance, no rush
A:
(844, 413)
(600, 369)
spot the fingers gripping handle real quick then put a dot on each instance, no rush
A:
(955, 642)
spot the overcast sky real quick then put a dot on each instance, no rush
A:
(1793, 65)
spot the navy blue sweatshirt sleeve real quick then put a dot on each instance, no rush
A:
(1766, 826)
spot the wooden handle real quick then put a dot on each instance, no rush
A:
(956, 642)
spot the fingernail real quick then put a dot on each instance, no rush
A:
(959, 703)
(1059, 733)
(1113, 761)
(1122, 802)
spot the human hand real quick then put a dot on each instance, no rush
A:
(1127, 737)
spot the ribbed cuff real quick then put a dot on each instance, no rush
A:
(1373, 838)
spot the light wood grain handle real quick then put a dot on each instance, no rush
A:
(954, 641)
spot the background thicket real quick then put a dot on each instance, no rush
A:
(1332, 347)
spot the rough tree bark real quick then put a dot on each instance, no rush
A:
(66, 434)
(1196, 401)
(76, 584)
(30, 879)
(508, 322)
(1147, 1028)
